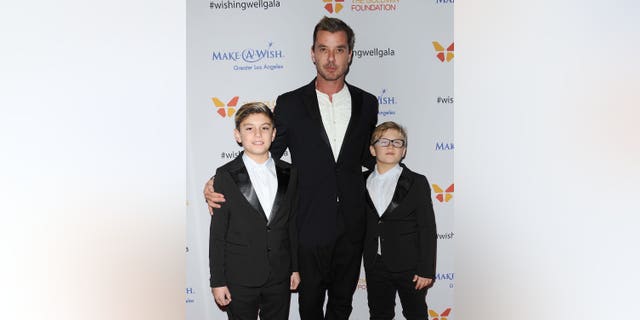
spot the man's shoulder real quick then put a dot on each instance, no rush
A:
(355, 90)
(297, 92)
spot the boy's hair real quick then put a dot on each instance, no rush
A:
(334, 25)
(250, 108)
(381, 128)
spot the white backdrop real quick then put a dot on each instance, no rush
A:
(241, 51)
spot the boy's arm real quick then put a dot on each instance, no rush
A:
(427, 237)
(218, 235)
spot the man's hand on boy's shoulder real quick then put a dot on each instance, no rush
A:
(213, 199)
(221, 295)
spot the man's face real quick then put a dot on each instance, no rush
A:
(331, 55)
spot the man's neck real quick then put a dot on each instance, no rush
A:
(329, 87)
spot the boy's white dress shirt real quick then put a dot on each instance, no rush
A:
(264, 180)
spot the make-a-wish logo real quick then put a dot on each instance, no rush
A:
(385, 103)
(441, 53)
(443, 195)
(446, 277)
(252, 58)
(189, 292)
(444, 146)
(226, 109)
(434, 315)
(333, 6)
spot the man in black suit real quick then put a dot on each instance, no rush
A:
(326, 125)
(253, 239)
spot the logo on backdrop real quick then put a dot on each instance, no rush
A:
(374, 53)
(189, 298)
(229, 155)
(386, 103)
(362, 284)
(333, 5)
(243, 5)
(441, 53)
(443, 146)
(228, 109)
(443, 195)
(374, 5)
(434, 315)
(444, 1)
(446, 277)
(232, 154)
(446, 236)
(445, 100)
(251, 59)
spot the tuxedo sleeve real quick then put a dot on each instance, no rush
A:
(218, 233)
(427, 236)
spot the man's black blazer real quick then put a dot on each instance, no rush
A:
(407, 228)
(331, 193)
(245, 249)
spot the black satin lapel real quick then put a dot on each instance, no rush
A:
(402, 188)
(356, 110)
(241, 177)
(311, 103)
(283, 184)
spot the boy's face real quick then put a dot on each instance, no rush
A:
(256, 133)
(389, 155)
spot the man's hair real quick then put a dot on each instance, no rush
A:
(381, 128)
(334, 25)
(250, 108)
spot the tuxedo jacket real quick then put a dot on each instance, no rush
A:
(331, 192)
(407, 228)
(244, 247)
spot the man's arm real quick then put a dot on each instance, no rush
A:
(279, 144)
(213, 199)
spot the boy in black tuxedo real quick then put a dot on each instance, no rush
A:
(253, 238)
(400, 242)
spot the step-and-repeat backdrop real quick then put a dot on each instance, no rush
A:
(253, 50)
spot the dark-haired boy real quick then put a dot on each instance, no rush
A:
(253, 238)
